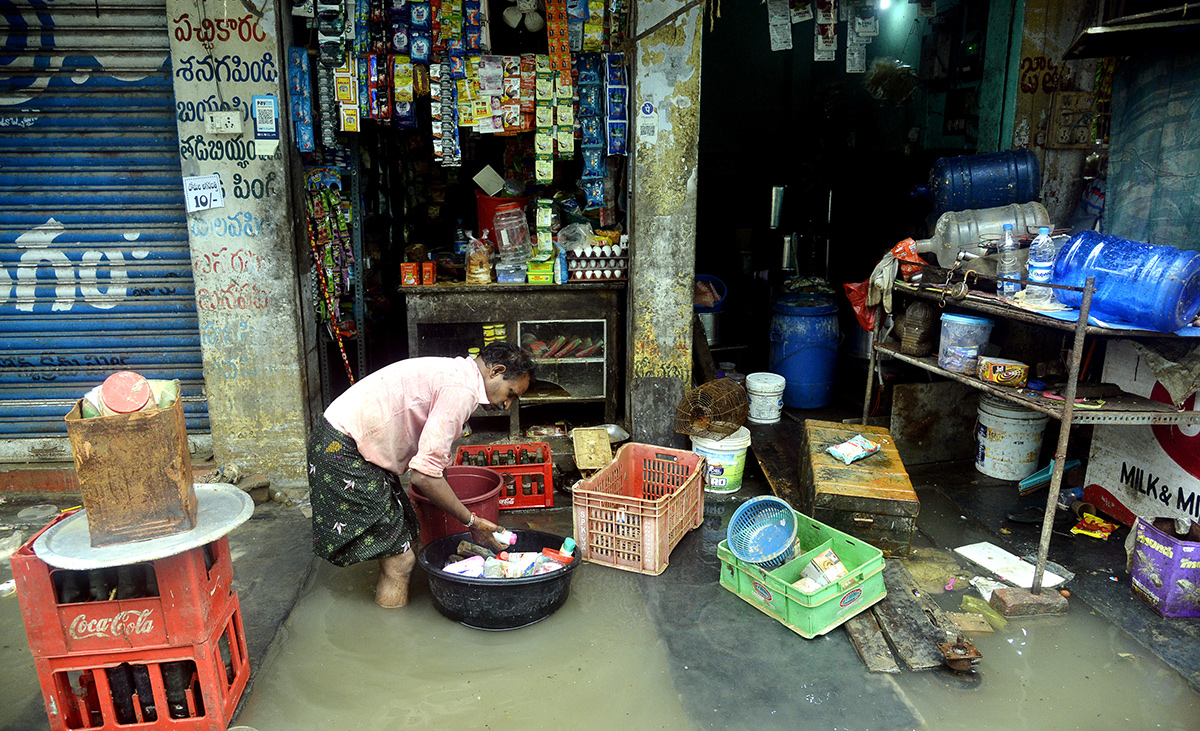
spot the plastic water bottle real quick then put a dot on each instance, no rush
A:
(1155, 287)
(1041, 268)
(1007, 266)
(461, 241)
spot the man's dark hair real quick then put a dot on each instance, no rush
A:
(516, 362)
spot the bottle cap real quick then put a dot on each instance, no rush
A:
(1044, 229)
(568, 546)
(1008, 227)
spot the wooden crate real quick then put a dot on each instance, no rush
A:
(872, 499)
(135, 473)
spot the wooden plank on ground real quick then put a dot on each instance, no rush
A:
(912, 624)
(868, 639)
(776, 446)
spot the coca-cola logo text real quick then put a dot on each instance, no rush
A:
(122, 624)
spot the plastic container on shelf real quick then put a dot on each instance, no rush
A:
(1041, 268)
(964, 230)
(963, 336)
(1154, 287)
(970, 182)
(1007, 266)
(488, 205)
(511, 234)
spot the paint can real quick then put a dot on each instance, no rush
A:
(766, 397)
(726, 460)
(1009, 439)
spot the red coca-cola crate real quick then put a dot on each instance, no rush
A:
(180, 599)
(532, 484)
(183, 688)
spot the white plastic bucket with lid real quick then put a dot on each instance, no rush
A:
(726, 460)
(1009, 439)
(766, 397)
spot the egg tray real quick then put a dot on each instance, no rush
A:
(597, 267)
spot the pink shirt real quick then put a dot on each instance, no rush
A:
(406, 415)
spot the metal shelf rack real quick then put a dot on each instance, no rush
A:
(1124, 409)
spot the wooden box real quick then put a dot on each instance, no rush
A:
(135, 473)
(871, 499)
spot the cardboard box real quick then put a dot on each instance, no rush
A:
(1166, 572)
(428, 273)
(135, 473)
(410, 274)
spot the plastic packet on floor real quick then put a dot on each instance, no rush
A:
(854, 449)
(986, 586)
(1094, 527)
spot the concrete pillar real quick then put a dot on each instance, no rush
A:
(223, 55)
(664, 135)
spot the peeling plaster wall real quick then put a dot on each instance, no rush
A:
(1049, 28)
(243, 255)
(666, 70)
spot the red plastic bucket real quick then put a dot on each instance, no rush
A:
(487, 206)
(477, 487)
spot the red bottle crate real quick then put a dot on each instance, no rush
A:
(192, 589)
(82, 690)
(533, 483)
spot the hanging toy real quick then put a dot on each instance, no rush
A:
(526, 10)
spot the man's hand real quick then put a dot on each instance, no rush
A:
(482, 532)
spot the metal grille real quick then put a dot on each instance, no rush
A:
(95, 269)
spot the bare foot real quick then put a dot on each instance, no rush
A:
(391, 591)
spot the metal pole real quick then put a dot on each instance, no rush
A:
(1064, 434)
(871, 362)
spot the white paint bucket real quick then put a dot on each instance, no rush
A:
(726, 460)
(1009, 439)
(766, 397)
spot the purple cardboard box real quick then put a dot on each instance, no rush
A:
(1166, 572)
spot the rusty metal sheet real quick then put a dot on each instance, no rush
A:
(934, 422)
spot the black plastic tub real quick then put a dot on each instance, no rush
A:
(496, 604)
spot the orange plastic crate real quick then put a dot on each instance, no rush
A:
(79, 693)
(533, 482)
(192, 589)
(631, 514)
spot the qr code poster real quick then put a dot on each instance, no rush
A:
(266, 117)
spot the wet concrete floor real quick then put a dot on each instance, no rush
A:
(647, 652)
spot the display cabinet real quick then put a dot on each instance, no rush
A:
(450, 319)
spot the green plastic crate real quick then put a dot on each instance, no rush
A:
(809, 614)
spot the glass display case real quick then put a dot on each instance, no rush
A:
(570, 359)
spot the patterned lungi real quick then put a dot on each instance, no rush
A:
(359, 510)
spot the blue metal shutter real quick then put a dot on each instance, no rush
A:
(95, 270)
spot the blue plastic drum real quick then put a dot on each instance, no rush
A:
(804, 340)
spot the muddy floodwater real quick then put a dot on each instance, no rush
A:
(676, 651)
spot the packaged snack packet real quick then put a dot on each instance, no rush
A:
(854, 449)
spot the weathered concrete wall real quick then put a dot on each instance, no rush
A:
(665, 134)
(1049, 28)
(243, 255)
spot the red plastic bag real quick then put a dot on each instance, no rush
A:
(857, 294)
